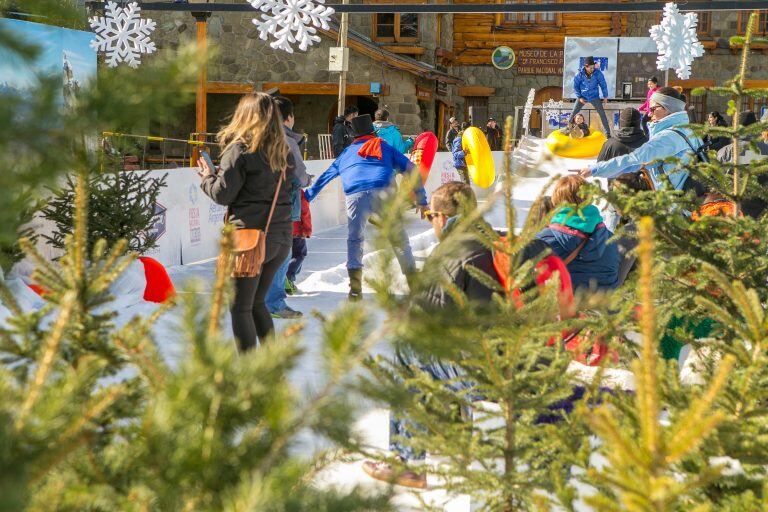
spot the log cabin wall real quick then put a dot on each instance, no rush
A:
(476, 35)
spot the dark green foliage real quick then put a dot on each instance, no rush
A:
(121, 207)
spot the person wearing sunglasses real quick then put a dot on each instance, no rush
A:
(668, 138)
(447, 206)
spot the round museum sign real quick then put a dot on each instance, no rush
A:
(503, 57)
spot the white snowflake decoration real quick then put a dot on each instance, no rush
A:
(122, 34)
(291, 21)
(553, 110)
(528, 109)
(676, 41)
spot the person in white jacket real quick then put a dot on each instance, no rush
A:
(668, 139)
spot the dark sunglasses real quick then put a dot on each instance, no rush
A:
(429, 214)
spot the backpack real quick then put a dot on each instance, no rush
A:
(700, 155)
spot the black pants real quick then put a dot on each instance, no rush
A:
(298, 253)
(251, 320)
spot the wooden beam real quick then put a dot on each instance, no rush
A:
(756, 84)
(476, 91)
(229, 88)
(324, 88)
(201, 105)
(408, 50)
(691, 83)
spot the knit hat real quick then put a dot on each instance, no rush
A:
(589, 61)
(362, 125)
(629, 118)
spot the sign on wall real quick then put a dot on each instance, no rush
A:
(605, 52)
(503, 57)
(540, 61)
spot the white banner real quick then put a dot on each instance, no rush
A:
(188, 224)
(637, 45)
(603, 49)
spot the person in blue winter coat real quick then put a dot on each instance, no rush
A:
(367, 169)
(588, 85)
(389, 132)
(668, 139)
(459, 160)
(580, 238)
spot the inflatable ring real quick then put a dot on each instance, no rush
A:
(423, 154)
(563, 145)
(478, 156)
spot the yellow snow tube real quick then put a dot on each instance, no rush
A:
(478, 156)
(563, 145)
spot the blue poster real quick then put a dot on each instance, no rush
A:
(63, 52)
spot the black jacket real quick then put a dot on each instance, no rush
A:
(246, 184)
(468, 253)
(341, 136)
(493, 136)
(449, 136)
(717, 143)
(624, 142)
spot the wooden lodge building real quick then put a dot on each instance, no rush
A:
(428, 67)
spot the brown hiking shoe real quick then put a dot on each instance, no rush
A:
(384, 472)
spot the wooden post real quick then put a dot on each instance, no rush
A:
(343, 76)
(201, 105)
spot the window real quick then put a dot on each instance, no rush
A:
(530, 18)
(704, 27)
(697, 106)
(761, 27)
(397, 28)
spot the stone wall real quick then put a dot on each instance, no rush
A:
(240, 56)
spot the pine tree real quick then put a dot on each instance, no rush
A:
(497, 430)
(92, 418)
(121, 207)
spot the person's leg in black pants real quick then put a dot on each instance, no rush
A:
(251, 320)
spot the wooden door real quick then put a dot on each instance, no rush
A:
(542, 95)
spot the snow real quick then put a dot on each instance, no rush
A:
(324, 284)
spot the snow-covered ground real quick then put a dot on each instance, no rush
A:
(324, 284)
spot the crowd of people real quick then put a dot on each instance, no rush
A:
(264, 184)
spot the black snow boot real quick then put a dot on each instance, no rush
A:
(355, 283)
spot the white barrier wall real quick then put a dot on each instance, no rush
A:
(188, 223)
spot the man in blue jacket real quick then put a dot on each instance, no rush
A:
(367, 169)
(587, 86)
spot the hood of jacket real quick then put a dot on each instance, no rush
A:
(569, 228)
(630, 135)
(339, 120)
(677, 119)
(299, 138)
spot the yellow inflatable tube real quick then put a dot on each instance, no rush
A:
(478, 156)
(563, 145)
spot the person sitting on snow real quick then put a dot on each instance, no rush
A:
(390, 132)
(367, 170)
(669, 138)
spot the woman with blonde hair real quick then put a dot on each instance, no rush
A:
(256, 170)
(578, 236)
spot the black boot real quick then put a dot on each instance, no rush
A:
(355, 283)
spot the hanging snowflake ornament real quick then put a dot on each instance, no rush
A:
(528, 109)
(291, 21)
(553, 110)
(676, 40)
(122, 34)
